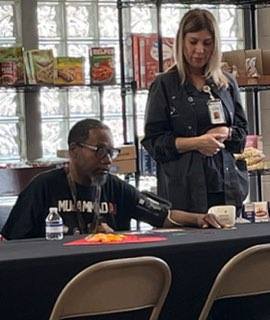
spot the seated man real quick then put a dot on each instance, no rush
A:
(72, 191)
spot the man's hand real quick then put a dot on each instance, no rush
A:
(2, 238)
(208, 220)
(189, 219)
(103, 227)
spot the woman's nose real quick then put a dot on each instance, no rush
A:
(200, 48)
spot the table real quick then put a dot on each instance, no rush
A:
(33, 272)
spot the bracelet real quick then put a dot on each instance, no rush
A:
(171, 220)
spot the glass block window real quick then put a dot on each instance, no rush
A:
(142, 19)
(12, 136)
(71, 28)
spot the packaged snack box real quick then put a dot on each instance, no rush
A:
(261, 211)
(42, 66)
(69, 70)
(102, 66)
(11, 60)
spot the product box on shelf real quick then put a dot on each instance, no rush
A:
(261, 60)
(261, 211)
(102, 65)
(143, 60)
(146, 57)
(152, 57)
(128, 51)
(123, 166)
(248, 212)
(126, 160)
(128, 151)
(40, 66)
(135, 58)
(235, 58)
(69, 70)
(250, 67)
(254, 141)
(12, 66)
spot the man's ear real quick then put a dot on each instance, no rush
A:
(73, 150)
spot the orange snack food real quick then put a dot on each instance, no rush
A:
(105, 237)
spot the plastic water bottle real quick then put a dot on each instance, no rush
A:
(54, 225)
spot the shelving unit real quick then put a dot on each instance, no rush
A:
(127, 86)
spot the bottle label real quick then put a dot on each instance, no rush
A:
(54, 228)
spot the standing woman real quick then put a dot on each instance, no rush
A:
(195, 122)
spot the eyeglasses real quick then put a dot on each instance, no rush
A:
(101, 151)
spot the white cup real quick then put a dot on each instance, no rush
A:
(225, 215)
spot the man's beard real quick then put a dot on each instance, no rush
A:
(99, 179)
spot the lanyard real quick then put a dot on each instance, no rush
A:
(97, 217)
(73, 191)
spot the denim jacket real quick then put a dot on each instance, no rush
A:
(181, 177)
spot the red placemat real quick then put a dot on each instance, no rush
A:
(132, 238)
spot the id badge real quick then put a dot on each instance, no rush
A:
(216, 111)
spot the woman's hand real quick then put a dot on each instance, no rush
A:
(210, 144)
(223, 130)
(208, 220)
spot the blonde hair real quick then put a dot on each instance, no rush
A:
(194, 21)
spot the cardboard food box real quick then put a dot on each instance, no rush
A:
(69, 70)
(124, 166)
(126, 160)
(128, 151)
(151, 58)
(266, 62)
(136, 59)
(253, 60)
(102, 66)
(262, 60)
(254, 141)
(145, 57)
(41, 64)
(14, 55)
(249, 212)
(261, 211)
(251, 67)
(236, 58)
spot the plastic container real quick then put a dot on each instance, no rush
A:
(54, 225)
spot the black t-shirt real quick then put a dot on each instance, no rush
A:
(118, 205)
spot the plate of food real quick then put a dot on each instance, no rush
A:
(114, 238)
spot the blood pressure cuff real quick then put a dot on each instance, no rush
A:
(152, 208)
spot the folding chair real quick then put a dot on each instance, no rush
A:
(115, 286)
(246, 274)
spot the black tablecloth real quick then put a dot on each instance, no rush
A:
(33, 272)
